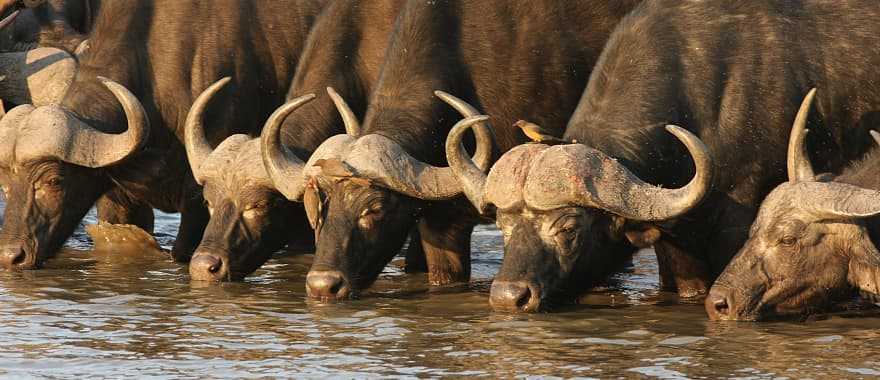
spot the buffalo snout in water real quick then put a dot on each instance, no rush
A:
(16, 258)
(327, 285)
(514, 296)
(208, 267)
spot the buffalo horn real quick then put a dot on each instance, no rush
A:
(197, 146)
(799, 167)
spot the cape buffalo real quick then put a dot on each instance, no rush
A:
(250, 219)
(811, 245)
(513, 59)
(732, 73)
(56, 160)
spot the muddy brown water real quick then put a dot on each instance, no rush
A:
(121, 314)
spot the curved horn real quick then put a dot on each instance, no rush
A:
(197, 146)
(467, 172)
(835, 200)
(599, 181)
(9, 19)
(876, 136)
(799, 167)
(82, 49)
(397, 170)
(482, 131)
(284, 168)
(352, 125)
(89, 147)
(669, 203)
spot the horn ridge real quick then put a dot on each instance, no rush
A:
(92, 148)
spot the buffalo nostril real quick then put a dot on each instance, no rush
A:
(20, 258)
(524, 298)
(720, 306)
(206, 267)
(717, 306)
(14, 258)
(326, 285)
(513, 296)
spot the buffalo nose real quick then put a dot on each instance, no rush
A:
(207, 267)
(326, 285)
(15, 258)
(717, 305)
(514, 296)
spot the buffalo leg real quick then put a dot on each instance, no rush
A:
(415, 255)
(681, 270)
(447, 248)
(193, 220)
(115, 207)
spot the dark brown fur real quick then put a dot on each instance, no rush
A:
(512, 60)
(166, 52)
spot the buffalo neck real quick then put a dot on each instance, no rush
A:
(116, 52)
(528, 79)
(402, 107)
(344, 51)
(863, 173)
(633, 92)
(865, 277)
(258, 44)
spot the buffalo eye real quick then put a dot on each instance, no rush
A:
(567, 229)
(788, 240)
(261, 205)
(255, 209)
(52, 184)
(371, 214)
(566, 234)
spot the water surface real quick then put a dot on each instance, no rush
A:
(135, 314)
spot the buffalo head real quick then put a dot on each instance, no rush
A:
(248, 215)
(561, 210)
(362, 194)
(51, 165)
(808, 246)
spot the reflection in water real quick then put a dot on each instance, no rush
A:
(136, 314)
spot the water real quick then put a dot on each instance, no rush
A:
(136, 314)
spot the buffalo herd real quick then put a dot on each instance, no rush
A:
(585, 130)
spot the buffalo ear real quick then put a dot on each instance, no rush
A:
(643, 236)
(313, 202)
(864, 268)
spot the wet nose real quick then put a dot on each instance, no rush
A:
(514, 296)
(15, 258)
(718, 305)
(207, 267)
(326, 285)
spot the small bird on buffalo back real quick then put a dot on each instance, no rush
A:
(538, 134)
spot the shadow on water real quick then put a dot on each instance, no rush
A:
(135, 313)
